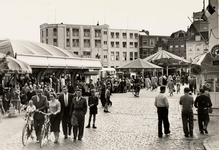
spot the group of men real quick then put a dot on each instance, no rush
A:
(202, 103)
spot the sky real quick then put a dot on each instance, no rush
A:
(21, 19)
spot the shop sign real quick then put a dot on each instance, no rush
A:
(215, 52)
(216, 62)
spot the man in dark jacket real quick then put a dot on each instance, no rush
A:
(40, 102)
(203, 102)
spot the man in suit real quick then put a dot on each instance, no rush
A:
(40, 102)
(66, 99)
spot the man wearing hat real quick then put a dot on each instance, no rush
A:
(92, 103)
(78, 110)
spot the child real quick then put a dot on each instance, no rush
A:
(92, 103)
(30, 112)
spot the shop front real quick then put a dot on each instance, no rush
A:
(209, 76)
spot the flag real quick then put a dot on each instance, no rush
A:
(210, 8)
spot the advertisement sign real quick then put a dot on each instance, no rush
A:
(215, 52)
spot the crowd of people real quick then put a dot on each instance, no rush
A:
(67, 105)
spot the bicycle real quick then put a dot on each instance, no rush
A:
(27, 130)
(45, 131)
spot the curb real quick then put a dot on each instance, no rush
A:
(210, 139)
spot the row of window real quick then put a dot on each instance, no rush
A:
(75, 32)
(124, 44)
(115, 56)
(176, 46)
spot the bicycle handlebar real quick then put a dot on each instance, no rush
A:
(47, 114)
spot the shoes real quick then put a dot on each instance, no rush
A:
(160, 136)
(106, 111)
(74, 138)
(167, 133)
(186, 136)
(206, 131)
(88, 126)
(66, 136)
(56, 142)
(201, 132)
(94, 127)
(79, 139)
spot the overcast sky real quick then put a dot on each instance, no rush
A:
(21, 19)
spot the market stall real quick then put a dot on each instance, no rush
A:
(207, 69)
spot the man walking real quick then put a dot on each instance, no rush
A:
(187, 113)
(203, 102)
(162, 105)
(65, 100)
(40, 102)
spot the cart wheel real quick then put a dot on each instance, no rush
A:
(25, 134)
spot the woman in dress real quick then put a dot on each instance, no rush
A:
(55, 118)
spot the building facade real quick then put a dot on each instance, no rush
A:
(114, 47)
(149, 44)
(177, 44)
(197, 38)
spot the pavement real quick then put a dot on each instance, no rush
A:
(131, 125)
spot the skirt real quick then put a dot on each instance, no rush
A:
(55, 123)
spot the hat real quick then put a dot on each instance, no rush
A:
(93, 90)
(78, 89)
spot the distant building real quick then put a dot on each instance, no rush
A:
(197, 38)
(114, 47)
(150, 44)
(177, 43)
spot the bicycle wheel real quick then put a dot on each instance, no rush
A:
(47, 133)
(25, 134)
(42, 136)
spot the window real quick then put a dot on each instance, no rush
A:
(112, 44)
(86, 43)
(42, 34)
(131, 55)
(136, 55)
(117, 44)
(124, 44)
(105, 58)
(67, 42)
(117, 35)
(112, 35)
(145, 42)
(98, 43)
(151, 42)
(76, 53)
(87, 32)
(124, 35)
(46, 32)
(176, 46)
(197, 38)
(46, 41)
(75, 42)
(136, 35)
(182, 46)
(131, 44)
(197, 48)
(131, 35)
(67, 32)
(136, 44)
(124, 56)
(75, 32)
(55, 42)
(105, 32)
(112, 66)
(97, 33)
(86, 54)
(117, 56)
(171, 46)
(54, 32)
(112, 56)
(105, 42)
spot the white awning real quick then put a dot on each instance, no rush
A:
(59, 62)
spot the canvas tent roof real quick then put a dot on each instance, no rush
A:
(39, 55)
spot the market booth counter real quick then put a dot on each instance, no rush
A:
(208, 74)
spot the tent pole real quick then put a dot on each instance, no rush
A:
(167, 70)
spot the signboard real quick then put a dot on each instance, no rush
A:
(215, 62)
(215, 52)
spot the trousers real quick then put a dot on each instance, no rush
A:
(163, 119)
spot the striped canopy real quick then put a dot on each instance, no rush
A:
(11, 65)
(166, 58)
(139, 64)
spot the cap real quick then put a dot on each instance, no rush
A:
(78, 89)
(93, 90)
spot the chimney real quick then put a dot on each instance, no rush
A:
(97, 23)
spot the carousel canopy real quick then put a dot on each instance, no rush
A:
(11, 65)
(39, 55)
(163, 57)
(139, 64)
